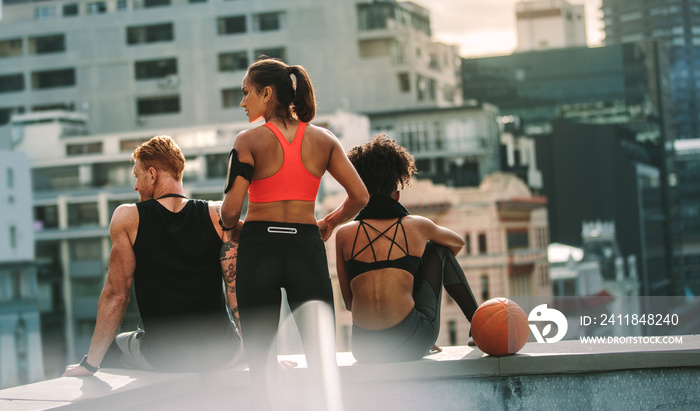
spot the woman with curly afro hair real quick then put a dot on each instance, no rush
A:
(392, 265)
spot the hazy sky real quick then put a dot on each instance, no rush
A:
(487, 27)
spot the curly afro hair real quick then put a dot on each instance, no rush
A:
(383, 165)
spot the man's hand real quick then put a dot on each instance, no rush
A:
(76, 370)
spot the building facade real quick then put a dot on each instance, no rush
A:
(149, 64)
(625, 84)
(21, 359)
(456, 146)
(549, 24)
(676, 25)
(599, 172)
(687, 241)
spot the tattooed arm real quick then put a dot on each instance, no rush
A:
(228, 257)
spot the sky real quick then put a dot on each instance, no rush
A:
(487, 27)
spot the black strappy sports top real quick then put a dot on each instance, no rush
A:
(408, 262)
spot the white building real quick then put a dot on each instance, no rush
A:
(20, 337)
(549, 24)
(152, 64)
(456, 146)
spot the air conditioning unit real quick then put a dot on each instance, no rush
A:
(170, 81)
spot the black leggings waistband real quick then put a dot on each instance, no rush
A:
(273, 232)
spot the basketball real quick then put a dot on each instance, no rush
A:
(500, 327)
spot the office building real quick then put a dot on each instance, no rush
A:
(149, 64)
(687, 241)
(675, 25)
(456, 146)
(599, 172)
(625, 84)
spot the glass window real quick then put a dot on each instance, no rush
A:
(130, 145)
(11, 82)
(452, 327)
(233, 61)
(518, 239)
(156, 3)
(231, 25)
(47, 44)
(84, 148)
(149, 106)
(84, 328)
(149, 34)
(482, 243)
(46, 216)
(151, 69)
(13, 237)
(404, 82)
(11, 47)
(53, 78)
(10, 178)
(421, 86)
(70, 9)
(268, 21)
(121, 5)
(231, 97)
(83, 214)
(484, 287)
(87, 287)
(89, 249)
(45, 12)
(97, 7)
(468, 243)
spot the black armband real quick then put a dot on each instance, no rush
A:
(235, 169)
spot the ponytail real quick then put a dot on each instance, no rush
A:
(292, 100)
(304, 102)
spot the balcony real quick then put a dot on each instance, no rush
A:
(563, 375)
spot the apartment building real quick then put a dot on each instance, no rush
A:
(20, 337)
(149, 64)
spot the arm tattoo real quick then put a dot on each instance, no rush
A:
(228, 258)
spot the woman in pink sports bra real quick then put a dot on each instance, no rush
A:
(281, 244)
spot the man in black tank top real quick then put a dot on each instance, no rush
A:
(173, 250)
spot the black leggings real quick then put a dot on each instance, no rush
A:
(272, 256)
(415, 335)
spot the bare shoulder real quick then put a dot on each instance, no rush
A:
(321, 133)
(418, 221)
(124, 219)
(246, 138)
(346, 229)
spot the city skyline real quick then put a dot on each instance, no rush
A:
(488, 28)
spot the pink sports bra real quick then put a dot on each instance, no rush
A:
(292, 181)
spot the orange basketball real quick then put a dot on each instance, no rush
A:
(500, 327)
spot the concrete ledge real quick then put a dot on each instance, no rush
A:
(445, 380)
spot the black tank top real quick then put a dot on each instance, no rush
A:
(179, 290)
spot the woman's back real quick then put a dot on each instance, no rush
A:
(269, 157)
(381, 257)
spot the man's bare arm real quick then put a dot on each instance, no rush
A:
(115, 294)
(228, 258)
